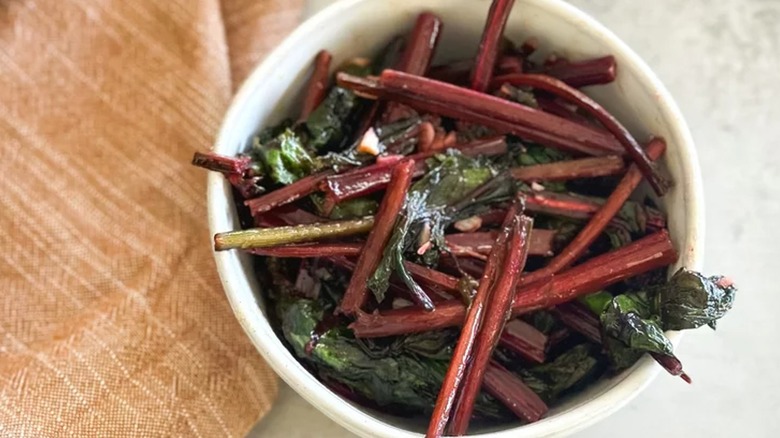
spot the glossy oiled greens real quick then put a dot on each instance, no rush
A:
(451, 178)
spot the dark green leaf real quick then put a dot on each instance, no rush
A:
(404, 376)
(267, 134)
(572, 368)
(690, 300)
(627, 319)
(596, 302)
(285, 158)
(544, 321)
(330, 125)
(451, 177)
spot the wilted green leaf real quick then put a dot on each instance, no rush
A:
(284, 157)
(451, 178)
(690, 300)
(572, 368)
(403, 376)
(622, 319)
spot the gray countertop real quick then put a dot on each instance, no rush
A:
(721, 61)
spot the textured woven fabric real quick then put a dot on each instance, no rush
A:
(112, 318)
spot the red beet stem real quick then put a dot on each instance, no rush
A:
(318, 83)
(484, 242)
(287, 194)
(288, 215)
(553, 106)
(453, 73)
(513, 393)
(577, 207)
(561, 204)
(432, 277)
(464, 348)
(417, 55)
(509, 64)
(415, 87)
(488, 47)
(311, 250)
(221, 163)
(583, 73)
(600, 219)
(560, 89)
(573, 169)
(483, 109)
(396, 287)
(672, 365)
(468, 244)
(525, 340)
(651, 252)
(421, 44)
(580, 320)
(494, 319)
(366, 180)
(463, 266)
(357, 291)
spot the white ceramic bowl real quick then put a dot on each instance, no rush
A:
(361, 27)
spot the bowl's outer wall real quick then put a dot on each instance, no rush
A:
(360, 28)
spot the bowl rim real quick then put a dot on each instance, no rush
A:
(631, 382)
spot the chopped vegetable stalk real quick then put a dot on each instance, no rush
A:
(401, 84)
(493, 321)
(513, 393)
(421, 44)
(268, 237)
(221, 163)
(488, 47)
(287, 194)
(468, 105)
(560, 109)
(464, 349)
(417, 54)
(638, 216)
(600, 220)
(311, 250)
(432, 277)
(583, 73)
(632, 148)
(356, 294)
(370, 179)
(456, 73)
(580, 320)
(318, 82)
(480, 243)
(525, 340)
(566, 170)
(644, 255)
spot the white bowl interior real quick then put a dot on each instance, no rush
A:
(361, 28)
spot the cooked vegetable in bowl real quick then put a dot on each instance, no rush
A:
(406, 201)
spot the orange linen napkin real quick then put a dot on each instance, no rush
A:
(112, 318)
